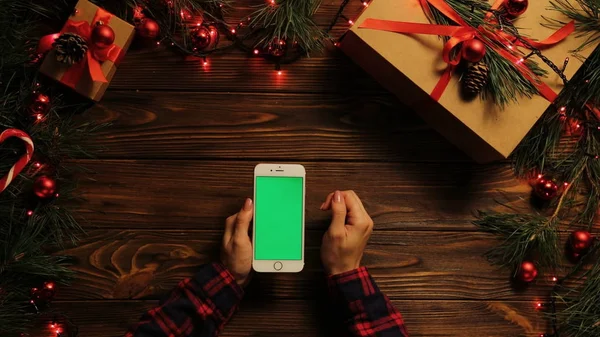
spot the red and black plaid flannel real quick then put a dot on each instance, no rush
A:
(362, 307)
(201, 306)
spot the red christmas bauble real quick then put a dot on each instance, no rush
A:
(545, 188)
(186, 15)
(580, 241)
(573, 127)
(40, 105)
(138, 15)
(527, 272)
(103, 36)
(201, 37)
(278, 47)
(44, 187)
(473, 50)
(148, 29)
(516, 7)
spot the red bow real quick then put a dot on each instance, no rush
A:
(464, 32)
(94, 55)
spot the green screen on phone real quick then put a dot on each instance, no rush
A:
(278, 218)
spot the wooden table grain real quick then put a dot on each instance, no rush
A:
(178, 159)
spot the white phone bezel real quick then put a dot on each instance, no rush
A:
(279, 170)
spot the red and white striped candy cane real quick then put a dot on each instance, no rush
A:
(22, 162)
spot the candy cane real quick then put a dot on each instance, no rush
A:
(22, 162)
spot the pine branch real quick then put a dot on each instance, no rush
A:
(290, 20)
(26, 242)
(524, 235)
(505, 83)
(578, 293)
(586, 16)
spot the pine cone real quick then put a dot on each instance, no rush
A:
(476, 78)
(70, 48)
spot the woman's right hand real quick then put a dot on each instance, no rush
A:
(345, 240)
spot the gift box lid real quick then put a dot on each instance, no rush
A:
(406, 62)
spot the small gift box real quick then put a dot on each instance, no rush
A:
(86, 52)
(397, 44)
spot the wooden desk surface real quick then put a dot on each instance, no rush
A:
(179, 159)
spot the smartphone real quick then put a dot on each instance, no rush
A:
(278, 230)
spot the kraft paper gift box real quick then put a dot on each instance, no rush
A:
(410, 66)
(78, 76)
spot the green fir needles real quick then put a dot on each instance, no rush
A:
(524, 237)
(290, 20)
(505, 84)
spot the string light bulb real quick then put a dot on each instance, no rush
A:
(279, 72)
(29, 213)
(256, 51)
(350, 22)
(366, 4)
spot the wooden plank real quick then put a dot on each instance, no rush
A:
(267, 126)
(279, 318)
(182, 194)
(129, 264)
(162, 69)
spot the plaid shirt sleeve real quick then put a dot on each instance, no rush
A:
(362, 307)
(199, 306)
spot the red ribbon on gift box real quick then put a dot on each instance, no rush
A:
(464, 32)
(94, 56)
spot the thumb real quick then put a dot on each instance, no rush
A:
(242, 221)
(338, 213)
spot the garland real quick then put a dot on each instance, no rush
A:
(35, 207)
(559, 157)
(35, 215)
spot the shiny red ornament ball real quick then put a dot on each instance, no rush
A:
(527, 272)
(545, 188)
(580, 241)
(573, 127)
(40, 104)
(201, 37)
(103, 36)
(473, 50)
(515, 8)
(148, 29)
(277, 47)
(186, 15)
(44, 187)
